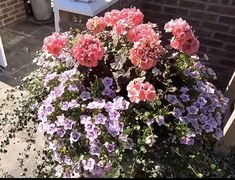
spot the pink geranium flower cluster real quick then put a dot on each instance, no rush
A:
(123, 20)
(54, 44)
(145, 53)
(143, 31)
(184, 39)
(140, 91)
(96, 24)
(88, 51)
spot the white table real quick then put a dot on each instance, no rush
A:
(83, 7)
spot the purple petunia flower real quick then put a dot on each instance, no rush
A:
(172, 99)
(107, 81)
(195, 74)
(122, 137)
(49, 77)
(85, 95)
(64, 106)
(201, 101)
(177, 112)
(184, 89)
(208, 128)
(74, 136)
(84, 119)
(97, 104)
(95, 149)
(192, 110)
(184, 97)
(73, 87)
(110, 146)
(114, 128)
(100, 119)
(49, 109)
(68, 174)
(187, 72)
(149, 121)
(73, 104)
(68, 160)
(88, 164)
(187, 141)
(203, 118)
(61, 132)
(160, 120)
(51, 128)
(114, 115)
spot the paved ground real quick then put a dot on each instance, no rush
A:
(21, 40)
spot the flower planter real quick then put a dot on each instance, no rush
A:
(41, 9)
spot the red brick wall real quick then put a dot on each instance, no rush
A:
(11, 11)
(213, 22)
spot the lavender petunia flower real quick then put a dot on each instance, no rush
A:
(184, 97)
(195, 74)
(61, 132)
(172, 99)
(107, 81)
(97, 104)
(208, 128)
(100, 119)
(187, 72)
(149, 121)
(73, 87)
(160, 120)
(84, 119)
(184, 89)
(201, 101)
(177, 112)
(114, 115)
(85, 95)
(49, 77)
(95, 149)
(68, 160)
(187, 141)
(110, 146)
(73, 104)
(88, 164)
(51, 128)
(122, 137)
(49, 109)
(64, 106)
(74, 136)
(192, 110)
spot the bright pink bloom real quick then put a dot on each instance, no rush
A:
(177, 26)
(112, 17)
(54, 43)
(145, 53)
(88, 51)
(143, 31)
(184, 39)
(140, 91)
(96, 24)
(123, 20)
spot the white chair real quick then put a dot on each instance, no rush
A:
(3, 61)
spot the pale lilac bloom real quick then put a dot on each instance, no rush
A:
(108, 167)
(195, 74)
(85, 95)
(58, 157)
(122, 137)
(177, 112)
(64, 106)
(68, 124)
(114, 115)
(201, 101)
(109, 106)
(84, 119)
(149, 121)
(49, 109)
(58, 91)
(73, 87)
(160, 120)
(100, 119)
(51, 128)
(110, 146)
(73, 104)
(184, 97)
(108, 92)
(187, 72)
(68, 160)
(184, 89)
(88, 164)
(49, 77)
(107, 81)
(61, 132)
(172, 99)
(95, 149)
(187, 141)
(203, 118)
(192, 110)
(114, 128)
(120, 103)
(207, 127)
(96, 104)
(67, 174)
(74, 136)
(98, 171)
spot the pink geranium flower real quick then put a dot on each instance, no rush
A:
(96, 24)
(140, 91)
(184, 39)
(143, 31)
(54, 43)
(145, 53)
(88, 51)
